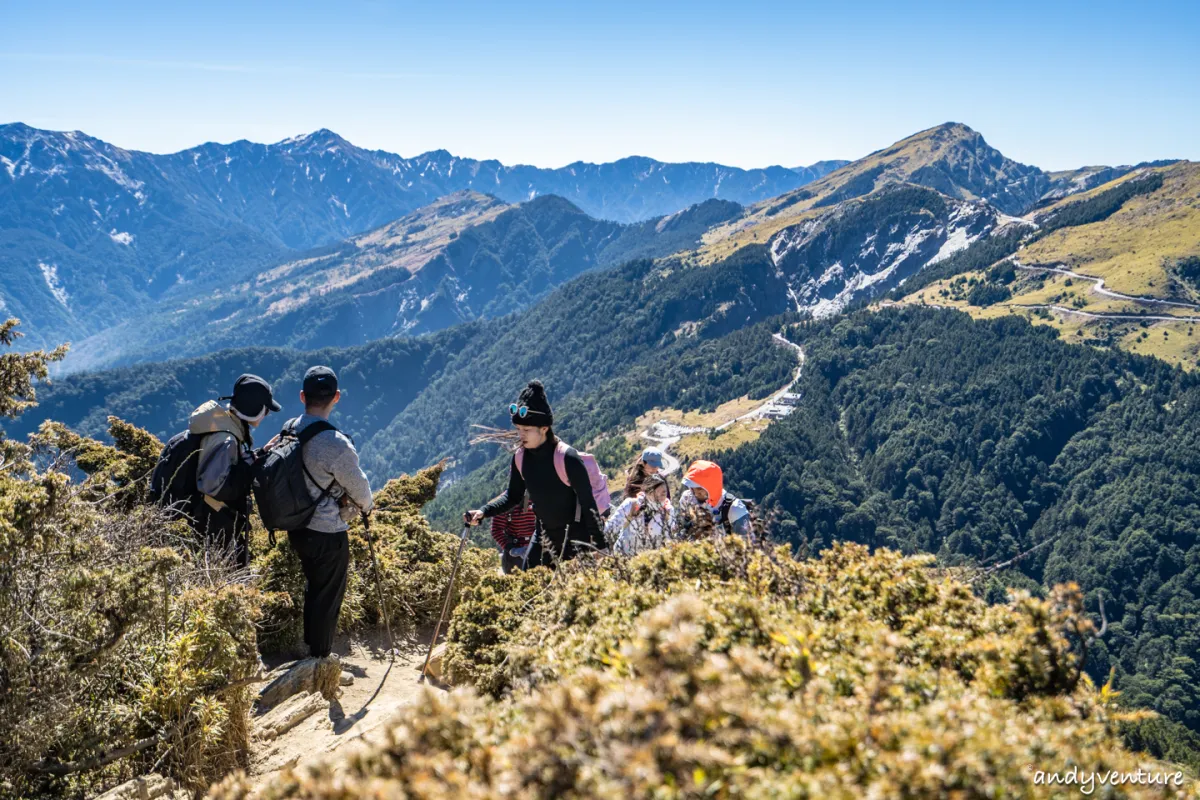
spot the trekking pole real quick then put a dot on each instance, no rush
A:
(529, 547)
(462, 542)
(387, 625)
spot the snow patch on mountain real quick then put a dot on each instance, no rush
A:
(959, 234)
(333, 199)
(863, 248)
(895, 258)
(109, 168)
(50, 275)
(121, 237)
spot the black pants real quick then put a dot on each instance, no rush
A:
(552, 545)
(226, 529)
(325, 558)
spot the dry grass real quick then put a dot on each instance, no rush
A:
(1132, 248)
(726, 412)
(699, 445)
(1176, 342)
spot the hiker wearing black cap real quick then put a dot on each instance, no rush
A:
(562, 483)
(204, 474)
(333, 477)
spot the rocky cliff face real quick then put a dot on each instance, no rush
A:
(865, 247)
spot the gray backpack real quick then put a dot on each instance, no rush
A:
(280, 491)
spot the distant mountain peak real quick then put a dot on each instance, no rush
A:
(953, 127)
(952, 158)
(820, 169)
(318, 141)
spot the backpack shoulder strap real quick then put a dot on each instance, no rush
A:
(314, 428)
(304, 437)
(560, 461)
(193, 438)
(726, 507)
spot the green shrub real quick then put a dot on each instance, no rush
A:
(113, 638)
(715, 670)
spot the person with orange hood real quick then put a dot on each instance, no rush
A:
(705, 487)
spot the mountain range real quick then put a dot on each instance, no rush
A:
(92, 235)
(481, 293)
(466, 256)
(519, 290)
(88, 233)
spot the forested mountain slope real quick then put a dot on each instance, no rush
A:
(377, 380)
(643, 332)
(981, 441)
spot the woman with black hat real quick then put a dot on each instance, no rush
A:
(570, 520)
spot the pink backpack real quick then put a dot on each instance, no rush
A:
(599, 482)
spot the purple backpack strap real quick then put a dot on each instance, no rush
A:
(560, 461)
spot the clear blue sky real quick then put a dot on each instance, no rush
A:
(744, 83)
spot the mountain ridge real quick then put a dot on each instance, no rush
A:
(91, 233)
(466, 256)
(113, 260)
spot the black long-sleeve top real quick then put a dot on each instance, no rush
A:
(554, 502)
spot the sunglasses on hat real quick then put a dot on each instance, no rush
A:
(520, 411)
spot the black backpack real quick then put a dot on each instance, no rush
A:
(284, 502)
(173, 482)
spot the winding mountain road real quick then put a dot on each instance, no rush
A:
(663, 434)
(1098, 288)
(1102, 316)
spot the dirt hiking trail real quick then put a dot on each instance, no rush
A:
(307, 728)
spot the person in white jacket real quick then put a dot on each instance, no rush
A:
(643, 522)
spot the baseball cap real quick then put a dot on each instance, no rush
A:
(320, 382)
(653, 457)
(252, 397)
